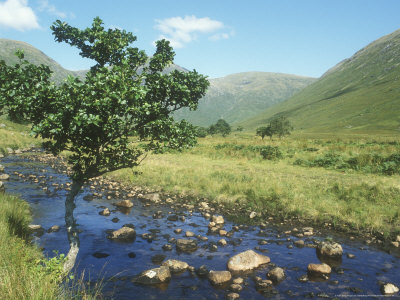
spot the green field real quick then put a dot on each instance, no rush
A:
(357, 196)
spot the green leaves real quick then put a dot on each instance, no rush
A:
(121, 95)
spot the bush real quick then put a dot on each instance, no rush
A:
(271, 152)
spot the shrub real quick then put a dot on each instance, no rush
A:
(271, 152)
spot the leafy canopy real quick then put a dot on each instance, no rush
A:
(279, 126)
(124, 93)
(221, 127)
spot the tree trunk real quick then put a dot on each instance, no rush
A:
(70, 223)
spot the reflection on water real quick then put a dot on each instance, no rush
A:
(118, 263)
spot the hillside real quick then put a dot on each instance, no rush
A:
(359, 95)
(35, 56)
(239, 96)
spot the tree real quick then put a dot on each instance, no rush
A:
(239, 128)
(221, 127)
(264, 131)
(124, 92)
(281, 126)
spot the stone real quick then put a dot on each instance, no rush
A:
(153, 197)
(232, 296)
(175, 266)
(167, 247)
(202, 271)
(235, 287)
(397, 239)
(319, 269)
(395, 244)
(124, 204)
(115, 220)
(329, 249)
(172, 218)
(36, 229)
(276, 274)
(252, 215)
(178, 230)
(218, 220)
(186, 245)
(222, 242)
(219, 277)
(204, 205)
(158, 258)
(100, 255)
(124, 234)
(131, 254)
(238, 280)
(299, 243)
(189, 234)
(105, 212)
(246, 261)
(154, 276)
(53, 228)
(2, 187)
(389, 289)
(222, 232)
(4, 177)
(263, 284)
(1, 168)
(351, 256)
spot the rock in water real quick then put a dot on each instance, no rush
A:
(175, 266)
(124, 234)
(389, 289)
(54, 228)
(276, 275)
(124, 204)
(319, 269)
(105, 212)
(186, 245)
(327, 249)
(219, 277)
(218, 220)
(4, 177)
(1, 168)
(246, 261)
(153, 197)
(2, 187)
(154, 276)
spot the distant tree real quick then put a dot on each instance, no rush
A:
(201, 131)
(239, 128)
(281, 126)
(264, 131)
(221, 127)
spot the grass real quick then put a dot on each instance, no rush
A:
(15, 136)
(25, 272)
(232, 171)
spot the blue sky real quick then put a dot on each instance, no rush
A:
(216, 37)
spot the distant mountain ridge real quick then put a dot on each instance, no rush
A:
(239, 96)
(360, 94)
(35, 56)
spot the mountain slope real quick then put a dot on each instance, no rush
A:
(360, 94)
(35, 56)
(242, 95)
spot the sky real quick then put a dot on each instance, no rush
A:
(215, 37)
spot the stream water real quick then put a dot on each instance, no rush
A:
(119, 262)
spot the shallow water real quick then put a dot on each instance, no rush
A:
(352, 278)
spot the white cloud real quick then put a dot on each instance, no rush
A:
(221, 36)
(18, 15)
(44, 5)
(180, 31)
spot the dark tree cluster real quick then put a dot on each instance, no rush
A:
(280, 126)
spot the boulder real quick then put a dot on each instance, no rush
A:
(105, 212)
(154, 276)
(189, 234)
(329, 249)
(1, 168)
(319, 269)
(276, 274)
(175, 266)
(389, 289)
(124, 204)
(246, 261)
(186, 245)
(124, 234)
(36, 229)
(4, 177)
(219, 277)
(54, 228)
(153, 197)
(218, 220)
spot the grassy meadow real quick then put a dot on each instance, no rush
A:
(352, 181)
